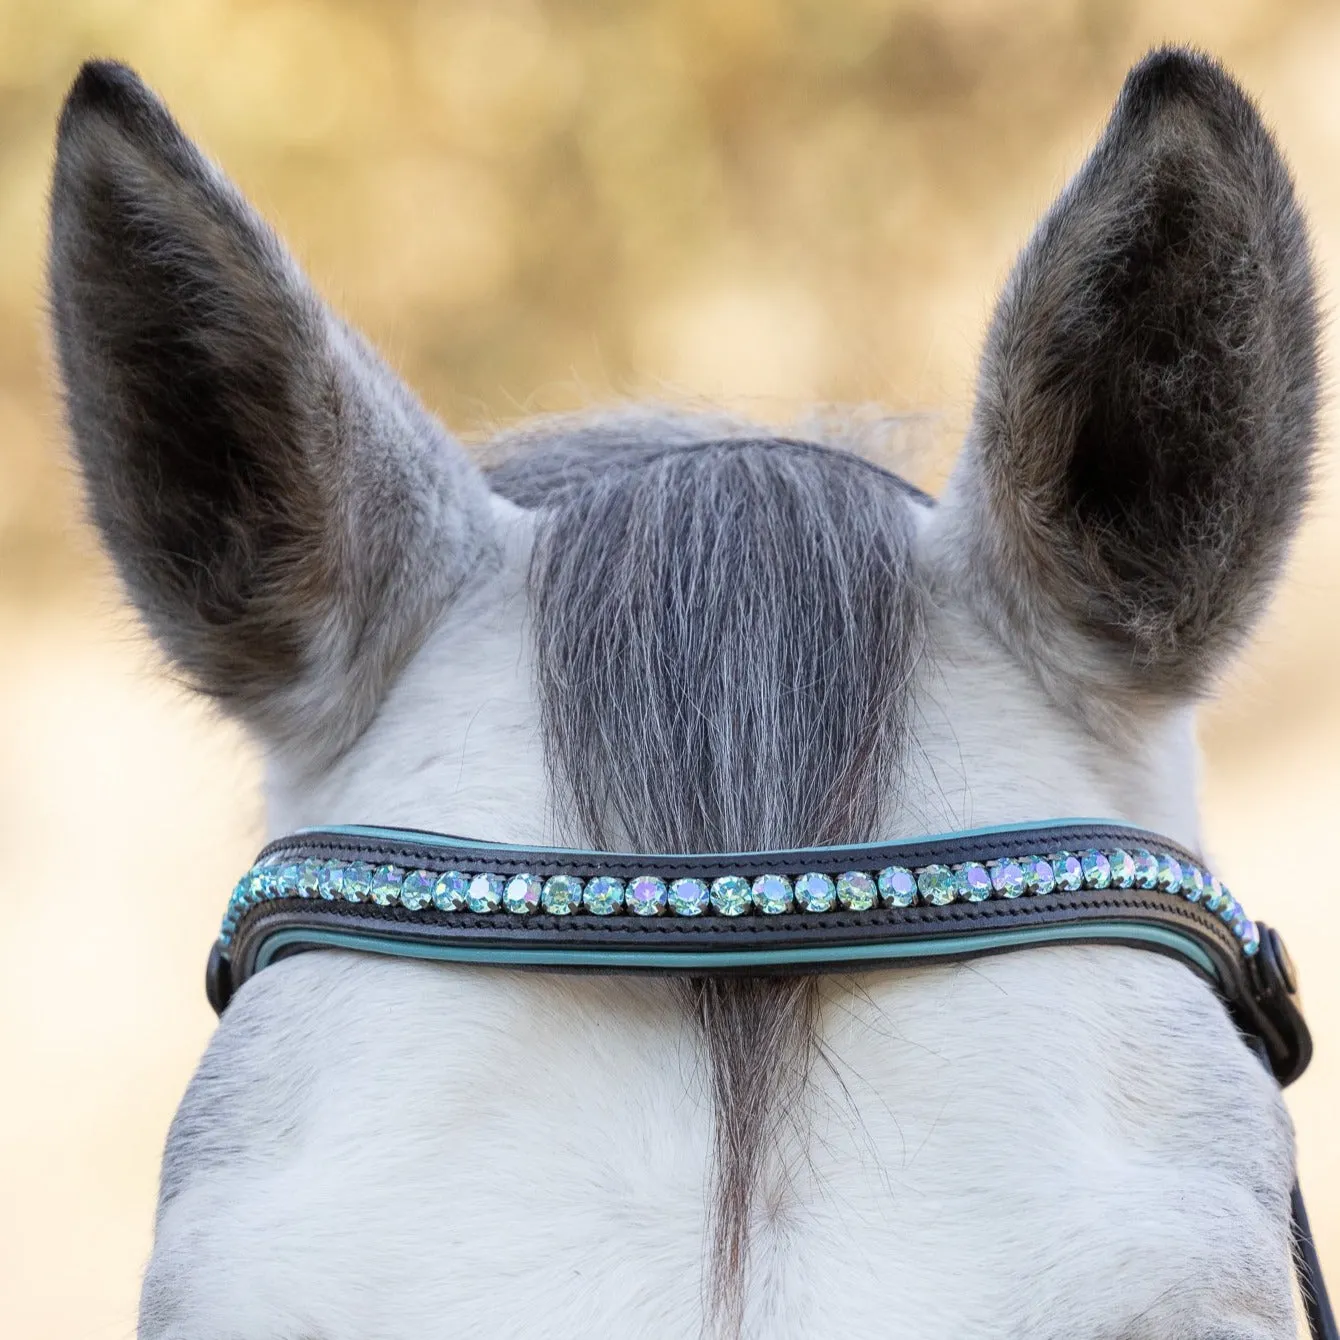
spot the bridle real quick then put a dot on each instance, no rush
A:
(818, 909)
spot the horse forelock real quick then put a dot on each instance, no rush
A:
(725, 630)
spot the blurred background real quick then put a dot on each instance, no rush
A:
(786, 207)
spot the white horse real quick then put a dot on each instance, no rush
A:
(675, 633)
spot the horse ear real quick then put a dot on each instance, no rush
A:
(1143, 434)
(285, 515)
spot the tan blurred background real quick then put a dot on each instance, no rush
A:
(772, 204)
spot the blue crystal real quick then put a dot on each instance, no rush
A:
(731, 895)
(816, 893)
(689, 897)
(1039, 877)
(286, 885)
(331, 884)
(1251, 938)
(385, 890)
(937, 884)
(561, 895)
(974, 882)
(522, 893)
(451, 893)
(856, 891)
(1169, 873)
(1237, 923)
(417, 890)
(603, 896)
(1216, 896)
(1007, 878)
(772, 894)
(1123, 868)
(897, 886)
(646, 896)
(1146, 870)
(357, 882)
(309, 879)
(1068, 871)
(1193, 883)
(485, 892)
(1096, 868)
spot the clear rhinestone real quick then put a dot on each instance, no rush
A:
(856, 891)
(522, 892)
(561, 895)
(646, 896)
(286, 881)
(1097, 870)
(417, 890)
(689, 897)
(309, 879)
(1039, 877)
(1193, 883)
(331, 884)
(1216, 896)
(603, 896)
(816, 893)
(357, 882)
(1068, 871)
(451, 893)
(897, 886)
(485, 892)
(974, 882)
(1007, 878)
(1123, 868)
(385, 891)
(937, 884)
(772, 894)
(1146, 870)
(731, 896)
(1170, 873)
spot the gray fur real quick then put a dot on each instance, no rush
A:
(284, 514)
(1145, 424)
(725, 636)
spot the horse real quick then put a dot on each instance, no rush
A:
(663, 631)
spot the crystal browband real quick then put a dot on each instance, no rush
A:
(432, 896)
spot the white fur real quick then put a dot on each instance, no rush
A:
(1068, 1142)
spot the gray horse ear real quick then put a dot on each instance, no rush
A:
(285, 515)
(1144, 429)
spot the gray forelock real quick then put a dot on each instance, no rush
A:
(725, 633)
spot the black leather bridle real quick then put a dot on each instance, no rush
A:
(937, 899)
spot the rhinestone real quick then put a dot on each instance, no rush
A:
(816, 893)
(1251, 938)
(561, 895)
(451, 893)
(1039, 877)
(225, 937)
(1122, 864)
(1215, 894)
(974, 882)
(603, 896)
(772, 894)
(309, 879)
(1068, 871)
(646, 896)
(258, 884)
(1238, 921)
(731, 895)
(331, 884)
(1170, 873)
(485, 892)
(286, 885)
(1097, 870)
(897, 886)
(357, 882)
(689, 897)
(1193, 883)
(1007, 878)
(856, 891)
(417, 890)
(241, 890)
(522, 893)
(385, 891)
(1146, 870)
(937, 884)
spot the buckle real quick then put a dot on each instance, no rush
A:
(1287, 1041)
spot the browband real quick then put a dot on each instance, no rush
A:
(818, 909)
